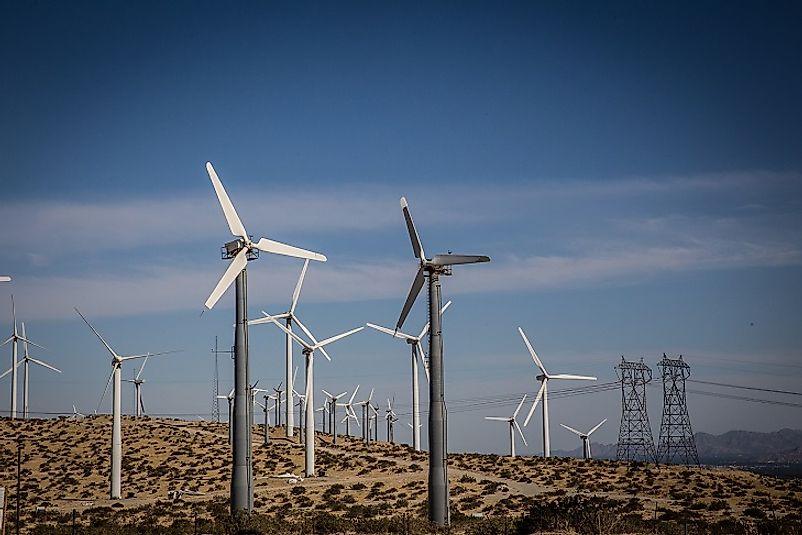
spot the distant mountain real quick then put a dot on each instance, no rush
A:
(783, 446)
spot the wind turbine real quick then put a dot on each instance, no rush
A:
(585, 438)
(116, 429)
(324, 415)
(433, 268)
(365, 421)
(289, 318)
(349, 412)
(513, 423)
(75, 414)
(543, 393)
(240, 251)
(333, 414)
(278, 392)
(14, 339)
(137, 382)
(230, 399)
(309, 420)
(391, 418)
(26, 359)
(417, 353)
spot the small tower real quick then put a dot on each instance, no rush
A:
(677, 444)
(635, 442)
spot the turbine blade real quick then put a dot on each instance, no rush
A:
(232, 271)
(597, 426)
(341, 394)
(417, 284)
(146, 355)
(571, 429)
(294, 375)
(310, 335)
(370, 397)
(537, 400)
(532, 352)
(5, 278)
(395, 334)
(453, 259)
(6, 372)
(276, 247)
(498, 418)
(337, 337)
(142, 403)
(234, 222)
(292, 334)
(422, 357)
(297, 292)
(267, 317)
(327, 393)
(520, 431)
(521, 404)
(569, 376)
(28, 342)
(445, 307)
(142, 367)
(105, 389)
(44, 364)
(417, 247)
(353, 395)
(113, 354)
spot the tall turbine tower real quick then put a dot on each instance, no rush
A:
(543, 393)
(433, 268)
(417, 353)
(116, 392)
(309, 419)
(585, 437)
(240, 251)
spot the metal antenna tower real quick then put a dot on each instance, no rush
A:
(216, 387)
(635, 442)
(677, 444)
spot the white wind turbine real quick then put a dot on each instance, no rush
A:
(26, 359)
(513, 423)
(391, 418)
(417, 353)
(230, 399)
(585, 438)
(15, 338)
(240, 251)
(116, 428)
(349, 412)
(365, 421)
(543, 393)
(309, 420)
(333, 413)
(75, 414)
(290, 317)
(137, 382)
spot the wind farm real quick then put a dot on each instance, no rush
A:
(560, 290)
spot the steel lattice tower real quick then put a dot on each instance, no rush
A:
(635, 442)
(677, 444)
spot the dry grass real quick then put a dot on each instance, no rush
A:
(65, 466)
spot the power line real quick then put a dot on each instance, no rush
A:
(773, 391)
(744, 398)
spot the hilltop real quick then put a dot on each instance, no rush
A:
(65, 467)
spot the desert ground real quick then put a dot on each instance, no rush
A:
(178, 471)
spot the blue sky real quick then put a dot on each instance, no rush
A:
(634, 172)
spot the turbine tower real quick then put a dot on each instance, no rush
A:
(240, 251)
(349, 412)
(585, 438)
(677, 442)
(15, 338)
(635, 442)
(433, 268)
(543, 393)
(513, 423)
(116, 392)
(333, 413)
(417, 353)
(309, 419)
(290, 317)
